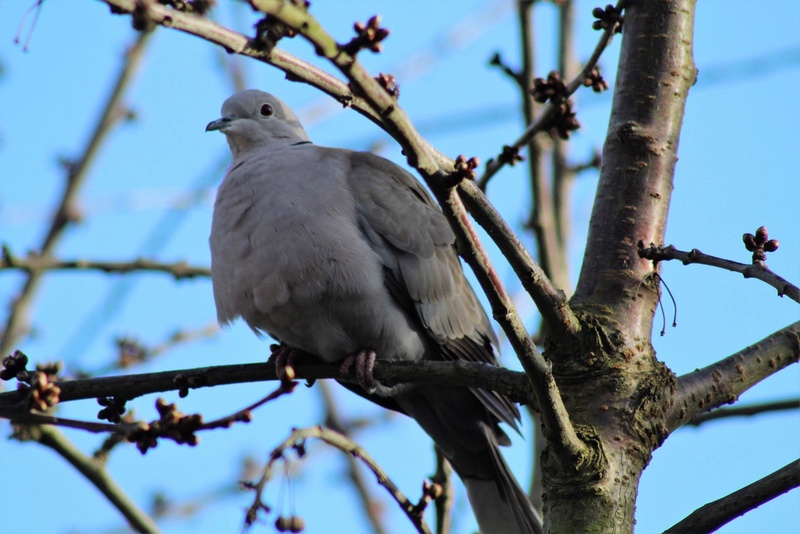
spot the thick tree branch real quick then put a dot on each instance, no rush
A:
(639, 155)
(66, 212)
(715, 514)
(748, 270)
(32, 263)
(723, 382)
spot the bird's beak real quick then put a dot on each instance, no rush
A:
(220, 124)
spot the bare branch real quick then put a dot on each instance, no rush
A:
(94, 472)
(296, 441)
(723, 382)
(715, 514)
(66, 212)
(745, 411)
(35, 263)
(513, 384)
(334, 421)
(753, 270)
(549, 112)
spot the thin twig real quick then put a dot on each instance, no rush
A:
(346, 445)
(443, 503)
(745, 411)
(66, 212)
(543, 122)
(713, 515)
(748, 270)
(34, 263)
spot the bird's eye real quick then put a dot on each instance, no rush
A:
(266, 110)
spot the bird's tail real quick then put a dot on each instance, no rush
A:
(499, 503)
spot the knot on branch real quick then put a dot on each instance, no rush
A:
(759, 245)
(608, 17)
(595, 80)
(172, 424)
(198, 7)
(368, 36)
(389, 84)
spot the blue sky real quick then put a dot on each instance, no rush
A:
(737, 171)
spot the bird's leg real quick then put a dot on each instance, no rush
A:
(364, 362)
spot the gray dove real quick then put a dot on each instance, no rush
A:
(345, 255)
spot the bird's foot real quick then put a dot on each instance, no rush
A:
(285, 357)
(364, 362)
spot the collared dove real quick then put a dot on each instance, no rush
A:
(340, 253)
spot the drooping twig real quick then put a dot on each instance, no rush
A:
(296, 441)
(715, 514)
(752, 270)
(66, 212)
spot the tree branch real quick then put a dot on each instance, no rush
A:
(549, 112)
(34, 263)
(745, 411)
(66, 212)
(343, 443)
(94, 473)
(752, 270)
(334, 421)
(723, 382)
(713, 515)
(461, 373)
